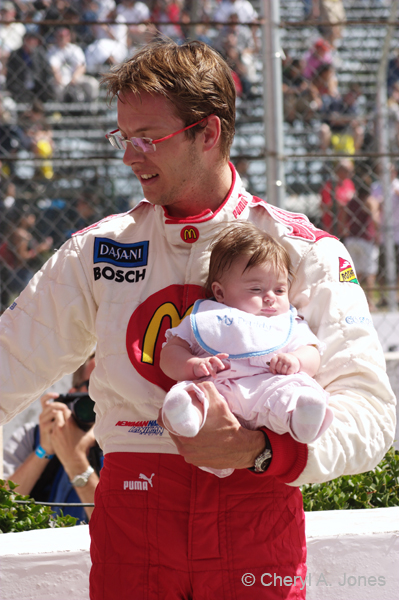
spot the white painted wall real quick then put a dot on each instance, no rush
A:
(352, 555)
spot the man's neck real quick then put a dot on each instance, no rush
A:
(210, 197)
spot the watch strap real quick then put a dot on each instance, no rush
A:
(262, 462)
(41, 453)
(81, 479)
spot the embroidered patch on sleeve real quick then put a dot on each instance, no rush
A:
(346, 271)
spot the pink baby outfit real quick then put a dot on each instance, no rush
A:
(256, 396)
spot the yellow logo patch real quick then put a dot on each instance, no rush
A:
(346, 271)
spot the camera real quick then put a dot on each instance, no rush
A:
(81, 407)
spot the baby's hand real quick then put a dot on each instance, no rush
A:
(209, 366)
(284, 364)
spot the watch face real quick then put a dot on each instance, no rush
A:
(79, 481)
(263, 461)
(82, 479)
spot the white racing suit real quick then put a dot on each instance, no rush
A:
(121, 283)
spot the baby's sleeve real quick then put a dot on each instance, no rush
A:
(182, 331)
(303, 336)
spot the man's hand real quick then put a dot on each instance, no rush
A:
(222, 443)
(285, 364)
(71, 444)
(47, 418)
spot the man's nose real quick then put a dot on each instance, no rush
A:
(132, 156)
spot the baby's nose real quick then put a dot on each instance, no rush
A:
(268, 297)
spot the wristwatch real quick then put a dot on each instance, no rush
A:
(82, 479)
(263, 461)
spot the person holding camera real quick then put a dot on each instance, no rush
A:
(58, 459)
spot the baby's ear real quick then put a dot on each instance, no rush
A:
(217, 290)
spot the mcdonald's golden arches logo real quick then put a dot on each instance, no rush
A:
(147, 326)
(189, 234)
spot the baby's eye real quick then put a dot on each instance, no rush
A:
(256, 290)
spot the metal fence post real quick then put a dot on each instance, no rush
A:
(384, 162)
(273, 102)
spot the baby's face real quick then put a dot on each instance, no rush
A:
(260, 290)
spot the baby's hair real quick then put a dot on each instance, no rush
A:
(245, 239)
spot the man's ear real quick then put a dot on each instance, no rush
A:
(211, 132)
(217, 290)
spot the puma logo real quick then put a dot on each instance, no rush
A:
(149, 479)
(139, 485)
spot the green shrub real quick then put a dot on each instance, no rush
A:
(16, 517)
(375, 489)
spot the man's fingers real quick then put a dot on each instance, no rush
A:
(59, 419)
(47, 398)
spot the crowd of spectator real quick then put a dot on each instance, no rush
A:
(351, 197)
(60, 48)
(54, 49)
(311, 91)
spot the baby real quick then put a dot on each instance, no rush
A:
(250, 341)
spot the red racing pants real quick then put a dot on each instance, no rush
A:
(165, 530)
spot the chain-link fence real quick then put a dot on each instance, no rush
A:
(59, 174)
(339, 168)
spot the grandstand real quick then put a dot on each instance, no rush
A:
(357, 58)
(82, 155)
(82, 151)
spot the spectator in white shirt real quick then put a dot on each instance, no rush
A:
(110, 46)
(69, 66)
(244, 12)
(135, 12)
(11, 36)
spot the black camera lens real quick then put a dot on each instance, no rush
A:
(82, 408)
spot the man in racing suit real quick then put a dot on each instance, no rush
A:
(162, 528)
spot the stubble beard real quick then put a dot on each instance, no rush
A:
(182, 191)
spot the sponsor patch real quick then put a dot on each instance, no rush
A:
(119, 275)
(242, 203)
(142, 427)
(120, 255)
(298, 225)
(352, 320)
(189, 234)
(147, 326)
(346, 271)
(140, 484)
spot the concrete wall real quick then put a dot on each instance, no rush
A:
(352, 555)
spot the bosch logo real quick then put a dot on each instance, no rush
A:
(118, 275)
(189, 234)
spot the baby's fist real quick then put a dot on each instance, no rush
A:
(285, 364)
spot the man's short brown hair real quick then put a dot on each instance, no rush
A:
(79, 376)
(245, 239)
(193, 76)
